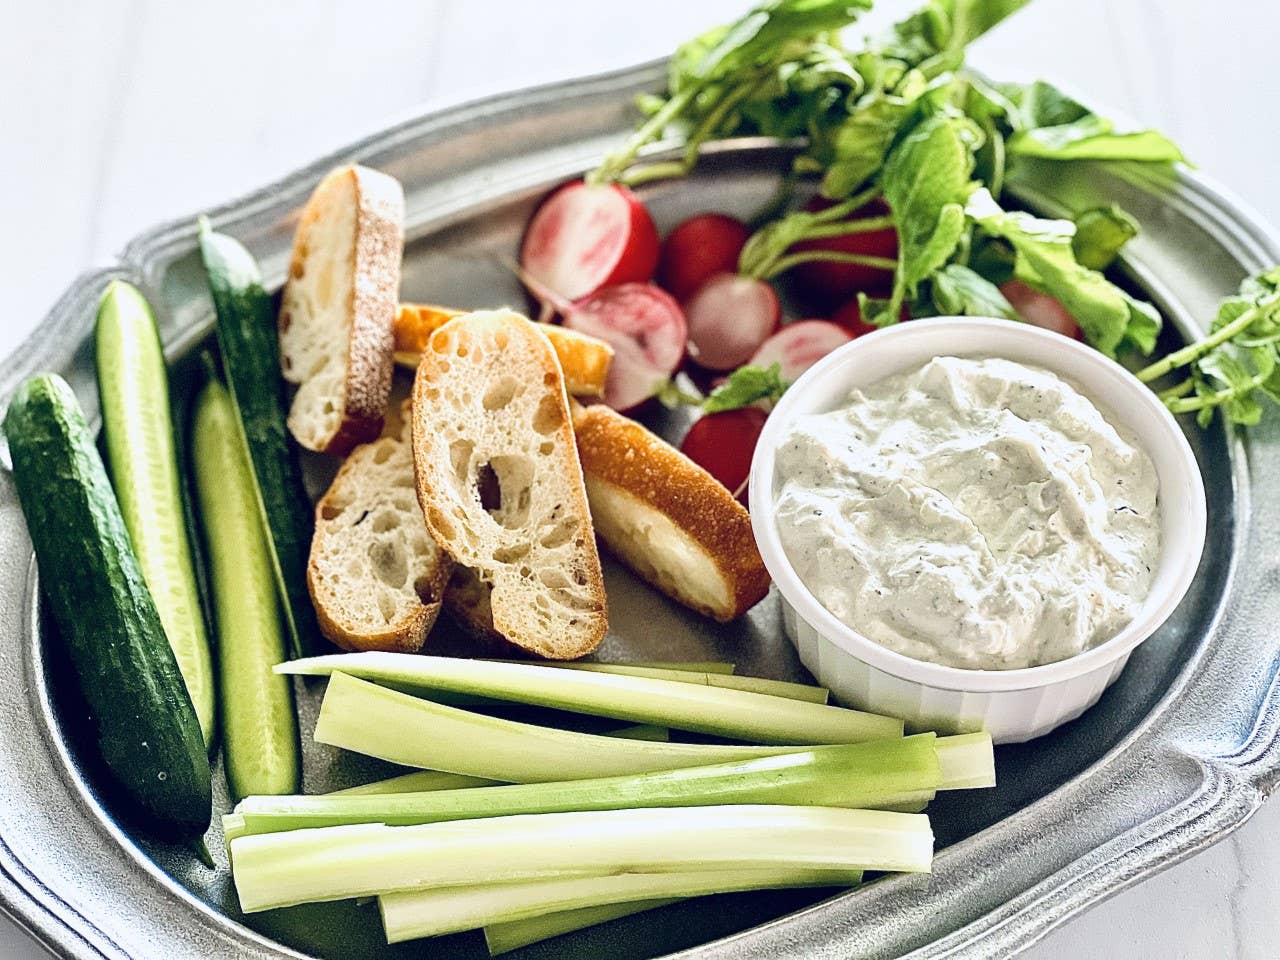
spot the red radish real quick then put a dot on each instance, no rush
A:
(647, 331)
(729, 317)
(833, 282)
(699, 248)
(850, 317)
(798, 346)
(723, 444)
(586, 237)
(1040, 309)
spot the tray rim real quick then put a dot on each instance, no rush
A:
(1234, 784)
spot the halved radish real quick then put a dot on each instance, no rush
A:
(850, 318)
(723, 444)
(1040, 309)
(798, 346)
(729, 317)
(647, 331)
(833, 282)
(585, 237)
(698, 249)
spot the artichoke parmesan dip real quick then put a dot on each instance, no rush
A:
(977, 513)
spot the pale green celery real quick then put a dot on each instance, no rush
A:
(967, 761)
(849, 775)
(514, 934)
(737, 714)
(365, 718)
(707, 678)
(429, 913)
(696, 666)
(420, 781)
(333, 863)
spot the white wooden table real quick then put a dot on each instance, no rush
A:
(117, 114)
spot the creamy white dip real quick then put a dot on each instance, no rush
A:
(977, 513)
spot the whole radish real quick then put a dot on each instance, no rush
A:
(1040, 309)
(798, 346)
(699, 248)
(723, 444)
(729, 317)
(585, 237)
(832, 282)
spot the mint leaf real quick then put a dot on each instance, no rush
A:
(1100, 235)
(744, 387)
(959, 291)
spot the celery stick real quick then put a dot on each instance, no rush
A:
(850, 775)
(365, 718)
(967, 761)
(737, 714)
(693, 673)
(429, 913)
(514, 934)
(421, 781)
(333, 863)
(695, 666)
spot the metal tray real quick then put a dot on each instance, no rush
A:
(1178, 753)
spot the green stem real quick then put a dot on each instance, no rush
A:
(848, 227)
(784, 264)
(1181, 390)
(614, 164)
(1193, 352)
(1215, 399)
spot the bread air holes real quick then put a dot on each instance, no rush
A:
(504, 488)
(501, 392)
(390, 565)
(560, 533)
(549, 416)
(383, 453)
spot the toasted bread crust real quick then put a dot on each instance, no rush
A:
(375, 289)
(584, 359)
(616, 450)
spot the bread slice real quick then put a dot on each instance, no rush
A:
(584, 359)
(339, 306)
(666, 518)
(499, 481)
(376, 575)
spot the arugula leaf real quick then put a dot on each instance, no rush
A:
(1100, 234)
(1051, 125)
(959, 291)
(744, 387)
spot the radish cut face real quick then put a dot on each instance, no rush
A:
(586, 237)
(798, 346)
(1040, 309)
(647, 331)
(729, 318)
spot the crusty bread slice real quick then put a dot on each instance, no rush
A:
(499, 481)
(376, 575)
(666, 518)
(339, 306)
(584, 359)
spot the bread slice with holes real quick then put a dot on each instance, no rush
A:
(376, 576)
(499, 481)
(666, 518)
(339, 307)
(584, 359)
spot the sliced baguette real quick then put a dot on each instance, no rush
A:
(339, 306)
(584, 359)
(666, 518)
(499, 481)
(376, 575)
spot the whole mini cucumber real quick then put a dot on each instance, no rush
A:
(144, 724)
(259, 727)
(133, 383)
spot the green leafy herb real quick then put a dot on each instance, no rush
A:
(1100, 235)
(745, 386)
(1052, 125)
(959, 291)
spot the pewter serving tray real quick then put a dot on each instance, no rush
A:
(1178, 753)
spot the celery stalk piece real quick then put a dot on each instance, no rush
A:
(967, 761)
(333, 863)
(420, 781)
(737, 714)
(514, 934)
(429, 913)
(365, 718)
(691, 674)
(851, 775)
(696, 666)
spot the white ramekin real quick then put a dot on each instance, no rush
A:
(1014, 705)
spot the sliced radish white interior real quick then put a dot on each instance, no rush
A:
(647, 331)
(1040, 309)
(729, 318)
(585, 237)
(798, 346)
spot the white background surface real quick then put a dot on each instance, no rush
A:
(114, 115)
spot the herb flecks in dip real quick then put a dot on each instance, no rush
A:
(978, 513)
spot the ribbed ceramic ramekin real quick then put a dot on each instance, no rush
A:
(1014, 705)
